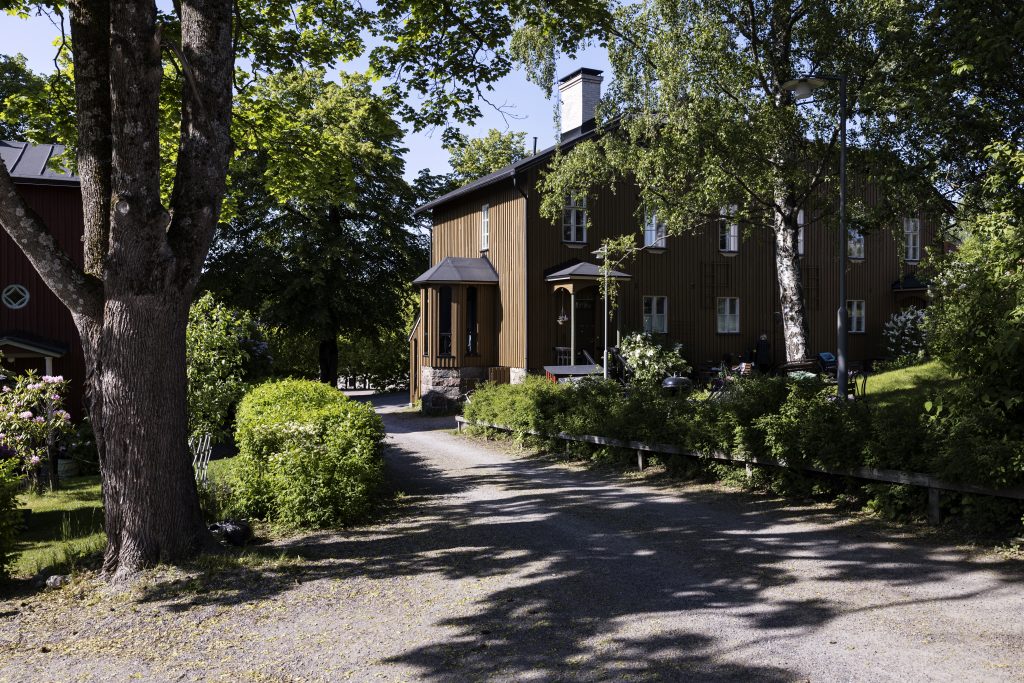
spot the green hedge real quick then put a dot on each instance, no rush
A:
(10, 516)
(793, 422)
(309, 456)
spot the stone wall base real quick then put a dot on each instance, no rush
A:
(442, 387)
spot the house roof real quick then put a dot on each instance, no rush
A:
(30, 164)
(33, 344)
(585, 271)
(568, 140)
(454, 271)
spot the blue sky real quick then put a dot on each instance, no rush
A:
(528, 111)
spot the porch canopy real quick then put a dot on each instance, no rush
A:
(17, 345)
(574, 278)
(459, 271)
(581, 275)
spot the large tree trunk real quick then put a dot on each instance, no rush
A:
(791, 293)
(130, 301)
(329, 360)
(152, 508)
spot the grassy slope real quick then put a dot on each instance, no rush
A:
(907, 388)
(64, 526)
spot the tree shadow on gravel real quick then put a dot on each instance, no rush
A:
(571, 576)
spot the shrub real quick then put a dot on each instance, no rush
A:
(219, 349)
(308, 456)
(32, 420)
(10, 516)
(813, 428)
(533, 405)
(649, 360)
(904, 334)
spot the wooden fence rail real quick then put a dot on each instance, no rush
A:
(934, 485)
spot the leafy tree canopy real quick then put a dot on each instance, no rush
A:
(472, 158)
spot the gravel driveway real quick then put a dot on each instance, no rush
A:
(511, 569)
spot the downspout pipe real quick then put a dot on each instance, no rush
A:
(526, 280)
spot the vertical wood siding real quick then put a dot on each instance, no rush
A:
(691, 272)
(45, 316)
(457, 233)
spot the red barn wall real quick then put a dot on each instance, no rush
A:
(60, 208)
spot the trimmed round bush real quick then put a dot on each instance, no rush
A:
(309, 457)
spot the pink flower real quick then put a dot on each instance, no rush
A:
(53, 379)
(35, 387)
(6, 389)
(27, 415)
(63, 414)
(40, 419)
(34, 460)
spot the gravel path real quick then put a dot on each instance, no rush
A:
(510, 569)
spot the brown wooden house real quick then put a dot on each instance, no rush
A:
(509, 293)
(36, 330)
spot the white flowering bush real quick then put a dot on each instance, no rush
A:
(904, 334)
(32, 418)
(649, 360)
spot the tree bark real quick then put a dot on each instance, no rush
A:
(329, 360)
(791, 294)
(130, 301)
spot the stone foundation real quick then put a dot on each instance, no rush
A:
(442, 388)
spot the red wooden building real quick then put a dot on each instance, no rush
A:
(36, 330)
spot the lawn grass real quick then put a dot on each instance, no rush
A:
(907, 389)
(63, 527)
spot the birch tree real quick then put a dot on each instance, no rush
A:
(698, 117)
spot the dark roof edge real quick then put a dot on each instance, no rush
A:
(585, 71)
(569, 139)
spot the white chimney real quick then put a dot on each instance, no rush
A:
(580, 92)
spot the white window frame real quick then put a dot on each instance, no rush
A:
(912, 239)
(729, 231)
(654, 231)
(801, 248)
(485, 227)
(727, 315)
(855, 244)
(856, 316)
(574, 221)
(655, 322)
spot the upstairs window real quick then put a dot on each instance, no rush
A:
(729, 231)
(654, 231)
(485, 227)
(656, 314)
(728, 308)
(574, 220)
(800, 232)
(855, 244)
(912, 239)
(855, 316)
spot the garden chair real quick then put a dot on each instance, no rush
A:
(201, 450)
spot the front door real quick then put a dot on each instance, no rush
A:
(586, 327)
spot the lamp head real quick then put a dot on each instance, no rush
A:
(803, 87)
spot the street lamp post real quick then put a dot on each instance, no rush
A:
(802, 88)
(602, 254)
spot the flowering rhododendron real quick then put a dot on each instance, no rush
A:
(32, 420)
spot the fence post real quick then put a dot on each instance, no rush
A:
(934, 509)
(640, 460)
(750, 471)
